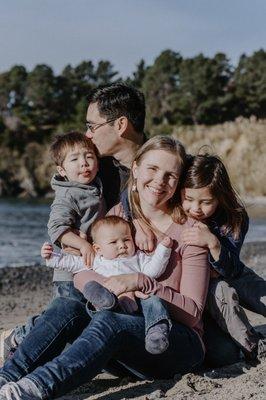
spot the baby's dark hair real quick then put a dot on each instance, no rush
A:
(110, 220)
(64, 142)
(209, 171)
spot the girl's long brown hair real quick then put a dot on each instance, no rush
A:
(209, 171)
(173, 146)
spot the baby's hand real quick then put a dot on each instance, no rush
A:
(87, 254)
(167, 242)
(46, 250)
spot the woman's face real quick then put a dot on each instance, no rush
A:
(157, 177)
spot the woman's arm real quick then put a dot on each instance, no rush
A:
(187, 304)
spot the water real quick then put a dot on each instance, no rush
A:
(23, 231)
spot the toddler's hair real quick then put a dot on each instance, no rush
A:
(110, 220)
(67, 141)
(209, 171)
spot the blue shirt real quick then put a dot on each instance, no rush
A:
(229, 265)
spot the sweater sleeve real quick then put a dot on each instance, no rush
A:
(66, 262)
(229, 265)
(62, 218)
(154, 265)
(186, 304)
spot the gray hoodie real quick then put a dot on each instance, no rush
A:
(76, 206)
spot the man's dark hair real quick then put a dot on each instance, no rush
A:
(117, 100)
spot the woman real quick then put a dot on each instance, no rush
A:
(110, 335)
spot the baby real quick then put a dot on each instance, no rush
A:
(115, 254)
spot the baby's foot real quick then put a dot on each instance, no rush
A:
(156, 340)
(100, 297)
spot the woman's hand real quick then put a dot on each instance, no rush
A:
(122, 283)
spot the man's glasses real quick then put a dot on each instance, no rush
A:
(92, 126)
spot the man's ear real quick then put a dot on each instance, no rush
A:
(61, 171)
(122, 124)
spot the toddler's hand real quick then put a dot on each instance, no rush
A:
(167, 242)
(87, 254)
(46, 250)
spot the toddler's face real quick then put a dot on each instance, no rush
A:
(114, 241)
(198, 203)
(80, 165)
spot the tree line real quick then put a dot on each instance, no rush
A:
(179, 91)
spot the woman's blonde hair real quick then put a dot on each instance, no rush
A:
(170, 145)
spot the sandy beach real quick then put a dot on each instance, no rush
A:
(26, 291)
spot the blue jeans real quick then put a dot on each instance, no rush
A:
(109, 335)
(154, 310)
(60, 289)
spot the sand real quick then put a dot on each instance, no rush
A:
(26, 291)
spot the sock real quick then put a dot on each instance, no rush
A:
(156, 339)
(3, 381)
(24, 389)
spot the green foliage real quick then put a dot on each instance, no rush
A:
(34, 105)
(249, 83)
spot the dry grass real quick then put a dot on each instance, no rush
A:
(241, 145)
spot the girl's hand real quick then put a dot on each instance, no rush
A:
(144, 237)
(46, 250)
(122, 283)
(199, 235)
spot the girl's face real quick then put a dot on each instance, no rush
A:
(198, 203)
(157, 177)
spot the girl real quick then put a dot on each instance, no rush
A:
(37, 366)
(208, 196)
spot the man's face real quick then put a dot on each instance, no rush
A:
(104, 137)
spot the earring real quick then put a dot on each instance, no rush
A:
(134, 187)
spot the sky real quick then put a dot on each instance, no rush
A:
(61, 32)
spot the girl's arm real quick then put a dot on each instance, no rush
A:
(223, 250)
(228, 263)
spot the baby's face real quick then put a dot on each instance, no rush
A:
(114, 241)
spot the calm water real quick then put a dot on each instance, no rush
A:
(23, 231)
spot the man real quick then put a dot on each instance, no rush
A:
(115, 124)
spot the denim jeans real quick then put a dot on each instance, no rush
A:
(60, 289)
(154, 310)
(109, 335)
